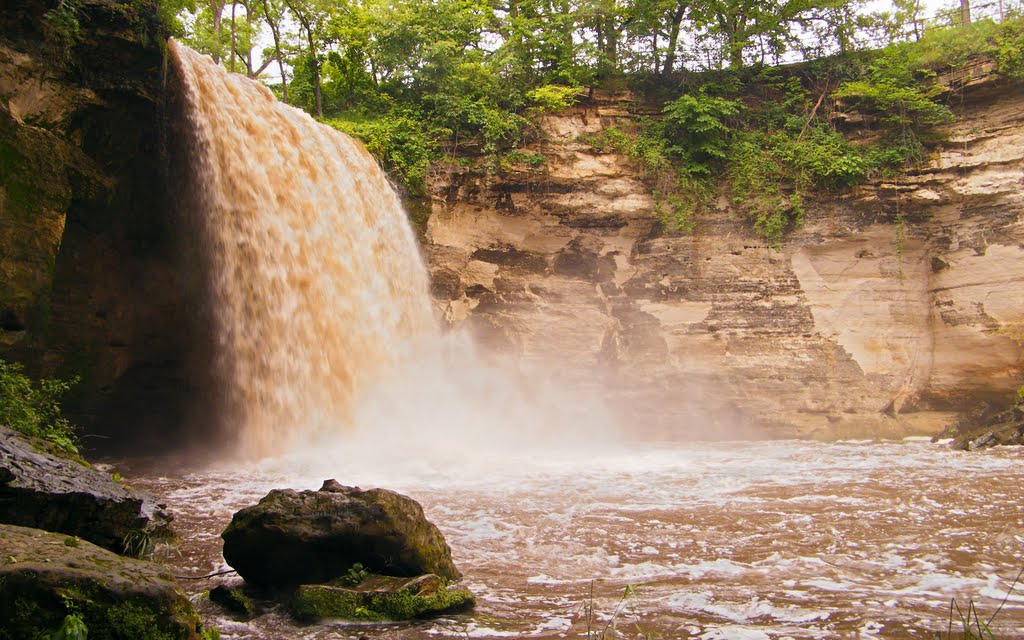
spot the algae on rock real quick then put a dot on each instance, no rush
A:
(46, 576)
(380, 598)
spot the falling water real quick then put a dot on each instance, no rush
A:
(319, 289)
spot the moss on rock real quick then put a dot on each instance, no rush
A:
(43, 579)
(380, 598)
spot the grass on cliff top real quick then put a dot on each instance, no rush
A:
(32, 407)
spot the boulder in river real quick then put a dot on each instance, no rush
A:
(46, 492)
(46, 576)
(301, 537)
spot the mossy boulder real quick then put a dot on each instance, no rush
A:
(294, 537)
(380, 598)
(233, 600)
(46, 576)
(47, 492)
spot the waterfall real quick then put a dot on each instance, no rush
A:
(317, 285)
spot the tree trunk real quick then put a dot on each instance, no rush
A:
(673, 39)
(234, 38)
(965, 12)
(216, 9)
(314, 64)
(277, 49)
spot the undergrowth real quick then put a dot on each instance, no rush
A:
(33, 408)
(769, 138)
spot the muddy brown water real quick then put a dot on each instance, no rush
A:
(744, 540)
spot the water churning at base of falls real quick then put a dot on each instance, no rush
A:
(318, 288)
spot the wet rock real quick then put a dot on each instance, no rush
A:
(989, 430)
(46, 492)
(233, 601)
(581, 259)
(299, 537)
(44, 575)
(380, 598)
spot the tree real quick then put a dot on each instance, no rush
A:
(313, 16)
(274, 15)
(965, 12)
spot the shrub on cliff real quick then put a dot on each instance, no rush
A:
(33, 407)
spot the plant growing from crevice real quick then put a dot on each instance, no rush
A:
(33, 408)
(61, 27)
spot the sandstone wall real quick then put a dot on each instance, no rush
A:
(843, 331)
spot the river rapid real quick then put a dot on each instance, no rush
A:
(744, 540)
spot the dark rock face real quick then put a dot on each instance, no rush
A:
(92, 286)
(989, 430)
(292, 537)
(46, 492)
(118, 598)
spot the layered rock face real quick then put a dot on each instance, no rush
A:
(91, 285)
(894, 307)
(44, 491)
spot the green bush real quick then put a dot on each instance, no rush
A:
(1010, 48)
(697, 130)
(399, 142)
(33, 408)
(894, 105)
(553, 97)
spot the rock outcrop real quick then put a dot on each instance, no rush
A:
(297, 537)
(90, 283)
(988, 429)
(46, 492)
(45, 576)
(895, 306)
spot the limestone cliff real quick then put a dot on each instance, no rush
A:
(858, 325)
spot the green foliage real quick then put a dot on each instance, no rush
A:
(516, 156)
(1020, 395)
(399, 142)
(952, 47)
(760, 178)
(553, 97)
(895, 105)
(61, 27)
(1010, 48)
(73, 628)
(33, 408)
(355, 574)
(697, 129)
(822, 159)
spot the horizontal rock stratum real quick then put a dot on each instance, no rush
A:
(896, 306)
(46, 492)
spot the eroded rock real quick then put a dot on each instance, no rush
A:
(46, 492)
(44, 576)
(298, 537)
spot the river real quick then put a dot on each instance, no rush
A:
(744, 540)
